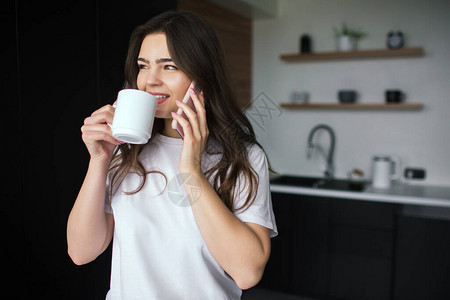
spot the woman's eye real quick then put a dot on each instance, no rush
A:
(142, 67)
(170, 67)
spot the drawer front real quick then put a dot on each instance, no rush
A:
(363, 213)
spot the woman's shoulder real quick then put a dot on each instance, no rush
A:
(256, 155)
(255, 149)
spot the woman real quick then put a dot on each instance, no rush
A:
(219, 243)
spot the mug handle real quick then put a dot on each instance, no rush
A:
(395, 166)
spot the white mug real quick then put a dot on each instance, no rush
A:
(300, 97)
(133, 119)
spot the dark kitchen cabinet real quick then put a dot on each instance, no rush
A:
(299, 259)
(361, 249)
(422, 264)
(331, 248)
(278, 269)
(310, 244)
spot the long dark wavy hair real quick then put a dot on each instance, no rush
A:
(196, 51)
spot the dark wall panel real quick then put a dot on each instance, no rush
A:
(63, 60)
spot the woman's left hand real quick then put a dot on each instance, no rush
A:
(195, 134)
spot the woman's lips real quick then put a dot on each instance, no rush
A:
(160, 98)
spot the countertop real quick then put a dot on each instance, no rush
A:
(399, 193)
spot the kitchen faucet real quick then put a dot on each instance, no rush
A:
(329, 159)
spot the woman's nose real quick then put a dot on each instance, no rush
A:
(153, 78)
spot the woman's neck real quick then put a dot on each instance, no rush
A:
(168, 130)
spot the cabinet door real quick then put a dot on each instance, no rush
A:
(278, 269)
(422, 259)
(361, 249)
(354, 277)
(309, 245)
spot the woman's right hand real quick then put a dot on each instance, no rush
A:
(97, 134)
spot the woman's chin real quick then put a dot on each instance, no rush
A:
(163, 115)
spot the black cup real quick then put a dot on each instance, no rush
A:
(394, 96)
(347, 96)
(305, 44)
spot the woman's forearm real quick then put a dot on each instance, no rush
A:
(88, 226)
(235, 246)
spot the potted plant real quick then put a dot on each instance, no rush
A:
(347, 38)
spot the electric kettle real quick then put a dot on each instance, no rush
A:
(384, 170)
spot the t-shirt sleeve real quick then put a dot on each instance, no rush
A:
(260, 211)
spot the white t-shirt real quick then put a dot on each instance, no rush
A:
(158, 250)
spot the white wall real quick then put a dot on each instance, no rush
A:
(421, 139)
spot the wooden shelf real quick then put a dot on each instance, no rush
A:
(377, 53)
(354, 106)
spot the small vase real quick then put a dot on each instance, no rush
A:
(345, 43)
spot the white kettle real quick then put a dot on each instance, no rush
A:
(384, 170)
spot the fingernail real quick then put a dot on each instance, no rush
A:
(178, 101)
(173, 113)
(192, 90)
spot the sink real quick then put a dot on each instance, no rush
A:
(319, 183)
(295, 180)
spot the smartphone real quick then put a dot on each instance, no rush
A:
(187, 100)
